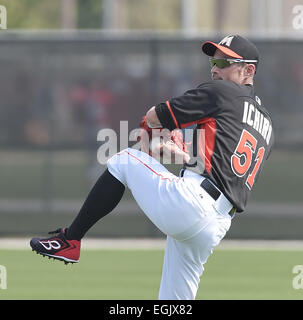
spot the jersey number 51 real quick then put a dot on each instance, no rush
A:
(242, 159)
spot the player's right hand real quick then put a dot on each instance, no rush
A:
(162, 143)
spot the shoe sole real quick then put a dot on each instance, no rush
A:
(50, 256)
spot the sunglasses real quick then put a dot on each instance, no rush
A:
(226, 62)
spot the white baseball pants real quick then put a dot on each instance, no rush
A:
(192, 220)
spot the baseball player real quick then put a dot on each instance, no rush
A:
(233, 136)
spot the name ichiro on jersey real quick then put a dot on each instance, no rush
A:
(256, 119)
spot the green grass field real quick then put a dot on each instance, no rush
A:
(135, 275)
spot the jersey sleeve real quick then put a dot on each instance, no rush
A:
(188, 109)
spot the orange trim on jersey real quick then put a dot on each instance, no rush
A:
(207, 141)
(200, 121)
(172, 114)
(184, 125)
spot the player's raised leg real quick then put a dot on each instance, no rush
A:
(165, 198)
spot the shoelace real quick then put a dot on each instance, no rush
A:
(55, 231)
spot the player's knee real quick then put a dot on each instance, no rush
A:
(126, 161)
(119, 158)
(113, 166)
(118, 163)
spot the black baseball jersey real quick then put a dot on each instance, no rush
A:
(233, 134)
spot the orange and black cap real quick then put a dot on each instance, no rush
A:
(233, 46)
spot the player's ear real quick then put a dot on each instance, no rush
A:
(250, 70)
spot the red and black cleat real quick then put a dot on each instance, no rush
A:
(57, 247)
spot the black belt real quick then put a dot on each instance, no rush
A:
(212, 191)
